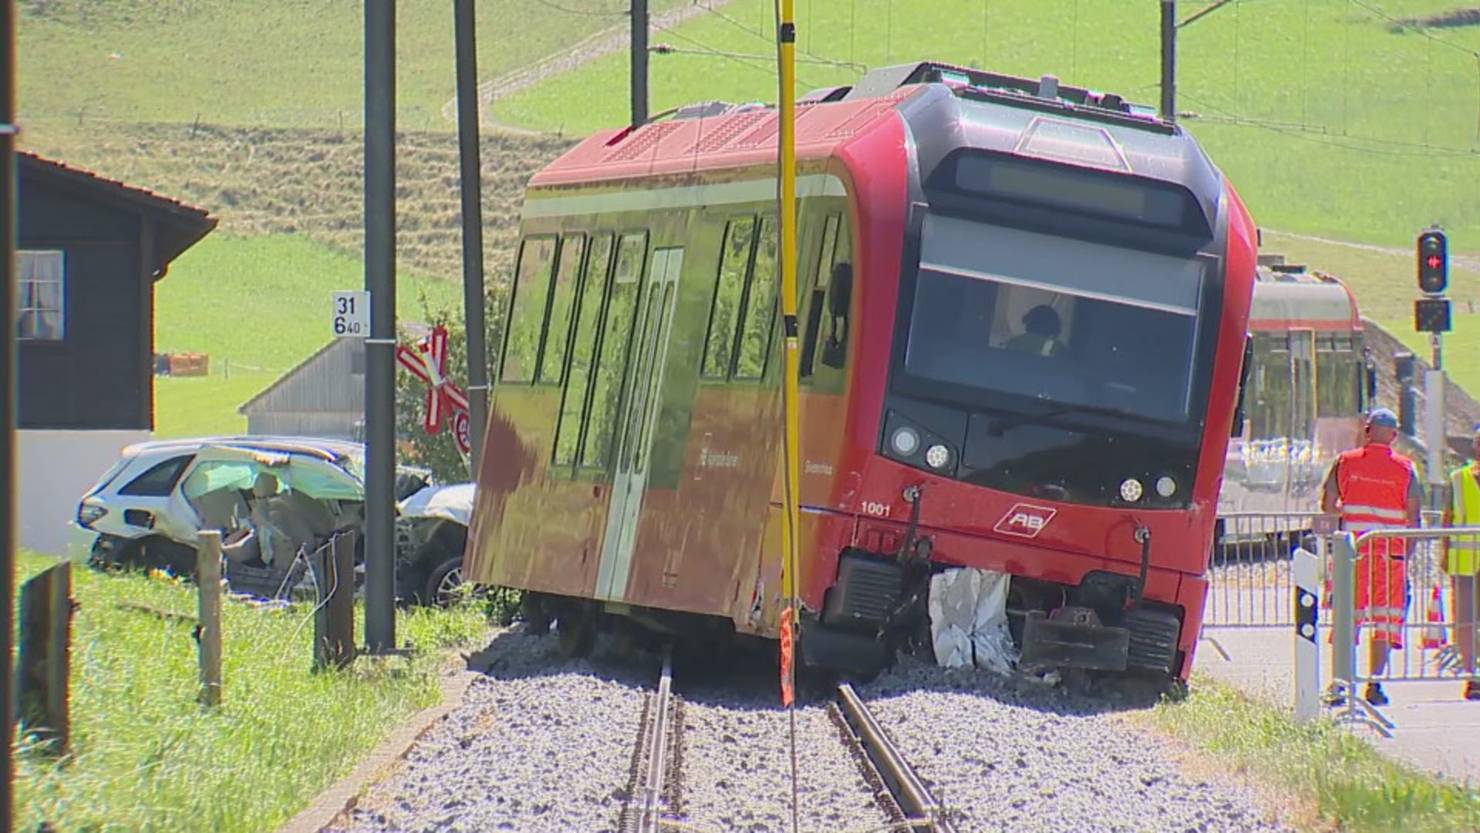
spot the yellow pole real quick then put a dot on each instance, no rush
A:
(786, 36)
(786, 43)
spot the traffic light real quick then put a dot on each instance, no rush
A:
(1433, 262)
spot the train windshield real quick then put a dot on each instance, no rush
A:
(1073, 324)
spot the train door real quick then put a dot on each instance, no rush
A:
(1301, 462)
(641, 396)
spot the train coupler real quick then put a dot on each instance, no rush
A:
(1072, 637)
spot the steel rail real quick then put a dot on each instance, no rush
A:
(656, 754)
(922, 810)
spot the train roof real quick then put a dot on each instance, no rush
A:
(1288, 296)
(1026, 117)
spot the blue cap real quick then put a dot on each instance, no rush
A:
(1383, 417)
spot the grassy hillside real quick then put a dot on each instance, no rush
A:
(1314, 107)
(288, 63)
(258, 306)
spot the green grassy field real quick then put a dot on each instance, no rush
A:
(146, 757)
(289, 63)
(1339, 781)
(257, 306)
(1329, 103)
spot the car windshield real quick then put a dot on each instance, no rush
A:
(1075, 325)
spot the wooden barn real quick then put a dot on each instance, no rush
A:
(90, 251)
(324, 396)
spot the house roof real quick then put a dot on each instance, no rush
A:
(180, 225)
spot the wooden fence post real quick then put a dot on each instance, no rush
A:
(334, 617)
(208, 631)
(44, 658)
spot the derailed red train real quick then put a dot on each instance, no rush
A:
(1023, 320)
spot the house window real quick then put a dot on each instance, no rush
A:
(41, 299)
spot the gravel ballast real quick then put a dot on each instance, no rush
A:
(541, 745)
(1012, 756)
(545, 745)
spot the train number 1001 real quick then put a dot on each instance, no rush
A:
(878, 510)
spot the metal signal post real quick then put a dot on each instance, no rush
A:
(1431, 315)
(380, 348)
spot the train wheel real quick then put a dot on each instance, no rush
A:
(575, 627)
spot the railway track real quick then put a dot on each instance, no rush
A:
(653, 792)
(902, 795)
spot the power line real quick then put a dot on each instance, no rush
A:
(818, 59)
(1361, 144)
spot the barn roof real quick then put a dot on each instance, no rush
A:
(180, 225)
(414, 329)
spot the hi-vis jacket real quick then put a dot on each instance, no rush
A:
(1373, 483)
(1464, 551)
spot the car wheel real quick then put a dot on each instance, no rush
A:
(444, 583)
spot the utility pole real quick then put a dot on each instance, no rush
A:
(1169, 60)
(8, 205)
(380, 348)
(639, 62)
(465, 34)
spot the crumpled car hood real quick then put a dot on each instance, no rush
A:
(453, 503)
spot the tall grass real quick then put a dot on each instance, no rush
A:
(146, 757)
(1340, 779)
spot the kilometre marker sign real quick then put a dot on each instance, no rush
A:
(351, 314)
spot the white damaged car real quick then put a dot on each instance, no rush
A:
(148, 509)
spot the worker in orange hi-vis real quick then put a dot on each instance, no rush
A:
(1462, 562)
(1374, 487)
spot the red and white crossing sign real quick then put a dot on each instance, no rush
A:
(427, 360)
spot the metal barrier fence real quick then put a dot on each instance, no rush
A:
(1418, 589)
(1250, 576)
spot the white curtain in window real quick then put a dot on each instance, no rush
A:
(41, 295)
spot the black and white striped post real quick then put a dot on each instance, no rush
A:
(1308, 632)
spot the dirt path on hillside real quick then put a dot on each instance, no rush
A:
(1463, 261)
(600, 44)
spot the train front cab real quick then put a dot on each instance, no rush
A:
(1066, 301)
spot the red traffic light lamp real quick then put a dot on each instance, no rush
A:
(1433, 262)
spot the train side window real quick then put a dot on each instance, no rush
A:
(759, 317)
(611, 361)
(574, 405)
(527, 311)
(562, 298)
(839, 300)
(719, 343)
(1270, 413)
(818, 297)
(1339, 370)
